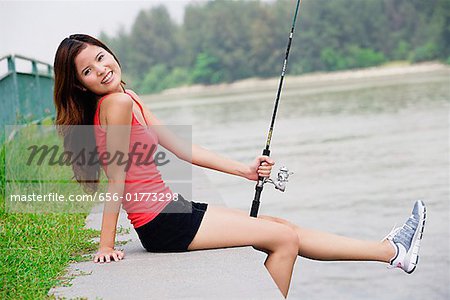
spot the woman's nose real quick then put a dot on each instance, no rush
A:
(100, 69)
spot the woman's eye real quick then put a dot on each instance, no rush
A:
(86, 72)
(100, 57)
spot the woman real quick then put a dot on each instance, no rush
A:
(89, 91)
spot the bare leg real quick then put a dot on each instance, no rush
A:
(222, 227)
(320, 245)
(227, 227)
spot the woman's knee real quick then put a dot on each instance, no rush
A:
(288, 241)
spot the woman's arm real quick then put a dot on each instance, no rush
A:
(261, 166)
(202, 157)
(118, 112)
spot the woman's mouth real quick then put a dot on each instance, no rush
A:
(107, 78)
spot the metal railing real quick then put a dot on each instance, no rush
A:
(26, 91)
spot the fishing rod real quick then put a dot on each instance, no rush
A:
(283, 174)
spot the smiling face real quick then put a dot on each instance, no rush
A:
(98, 71)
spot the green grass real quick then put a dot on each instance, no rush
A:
(37, 248)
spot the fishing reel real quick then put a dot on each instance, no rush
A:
(282, 179)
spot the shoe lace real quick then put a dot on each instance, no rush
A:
(391, 233)
(404, 234)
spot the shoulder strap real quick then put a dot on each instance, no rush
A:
(140, 106)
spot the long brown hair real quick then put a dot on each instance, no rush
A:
(76, 106)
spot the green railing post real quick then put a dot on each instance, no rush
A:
(38, 88)
(15, 96)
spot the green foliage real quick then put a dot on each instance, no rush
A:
(178, 76)
(223, 41)
(354, 57)
(429, 51)
(402, 50)
(159, 78)
(205, 69)
(333, 60)
(363, 57)
(153, 40)
(154, 80)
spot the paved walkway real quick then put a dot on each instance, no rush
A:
(232, 273)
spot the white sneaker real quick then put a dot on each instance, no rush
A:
(406, 239)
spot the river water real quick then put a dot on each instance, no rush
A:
(362, 151)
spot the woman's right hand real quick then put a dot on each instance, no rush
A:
(104, 255)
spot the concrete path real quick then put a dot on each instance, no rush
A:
(232, 273)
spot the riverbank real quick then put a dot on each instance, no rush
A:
(391, 70)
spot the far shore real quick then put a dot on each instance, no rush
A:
(385, 71)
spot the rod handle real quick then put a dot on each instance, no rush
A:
(256, 202)
(258, 190)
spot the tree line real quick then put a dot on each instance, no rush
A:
(223, 41)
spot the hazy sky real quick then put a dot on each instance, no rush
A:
(35, 28)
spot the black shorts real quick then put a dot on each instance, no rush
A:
(174, 227)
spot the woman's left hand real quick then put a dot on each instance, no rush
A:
(261, 166)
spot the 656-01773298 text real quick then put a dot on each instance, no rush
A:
(100, 197)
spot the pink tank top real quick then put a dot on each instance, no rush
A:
(144, 195)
